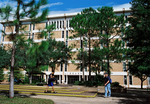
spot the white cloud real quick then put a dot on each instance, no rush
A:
(8, 2)
(51, 4)
(75, 10)
(127, 6)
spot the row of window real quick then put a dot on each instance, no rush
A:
(58, 23)
(125, 80)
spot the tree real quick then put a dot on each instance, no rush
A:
(24, 10)
(138, 39)
(105, 25)
(110, 26)
(84, 25)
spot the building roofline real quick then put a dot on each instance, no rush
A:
(67, 15)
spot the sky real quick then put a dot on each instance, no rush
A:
(71, 6)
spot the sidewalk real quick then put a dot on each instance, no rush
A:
(76, 100)
(115, 99)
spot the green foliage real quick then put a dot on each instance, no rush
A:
(4, 58)
(1, 75)
(18, 75)
(138, 39)
(101, 23)
(26, 80)
(25, 9)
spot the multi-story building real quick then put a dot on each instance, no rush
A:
(68, 73)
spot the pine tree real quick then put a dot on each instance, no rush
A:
(138, 39)
(24, 10)
(84, 25)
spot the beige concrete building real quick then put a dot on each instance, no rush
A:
(68, 73)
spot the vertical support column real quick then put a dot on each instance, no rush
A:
(87, 77)
(66, 79)
(59, 79)
(59, 25)
(63, 75)
(56, 25)
(45, 78)
(79, 78)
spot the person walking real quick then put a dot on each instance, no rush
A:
(50, 83)
(107, 83)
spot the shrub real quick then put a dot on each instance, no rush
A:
(1, 75)
(115, 84)
(98, 80)
(79, 83)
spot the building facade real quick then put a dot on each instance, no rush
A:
(68, 73)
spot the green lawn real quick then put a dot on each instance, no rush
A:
(19, 100)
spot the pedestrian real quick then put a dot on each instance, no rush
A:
(107, 84)
(50, 83)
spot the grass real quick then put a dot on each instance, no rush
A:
(23, 100)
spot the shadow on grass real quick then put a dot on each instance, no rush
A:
(131, 97)
(17, 94)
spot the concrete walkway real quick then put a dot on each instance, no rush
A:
(116, 99)
(76, 100)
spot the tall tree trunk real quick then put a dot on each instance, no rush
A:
(11, 87)
(141, 84)
(108, 58)
(53, 69)
(82, 58)
(89, 58)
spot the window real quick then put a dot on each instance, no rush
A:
(61, 67)
(14, 28)
(130, 80)
(57, 24)
(2, 45)
(60, 24)
(29, 35)
(125, 80)
(124, 66)
(126, 17)
(63, 24)
(3, 38)
(49, 35)
(62, 35)
(86, 69)
(4, 28)
(66, 34)
(80, 66)
(45, 37)
(65, 78)
(33, 26)
(148, 80)
(30, 27)
(66, 42)
(32, 36)
(46, 25)
(81, 44)
(67, 24)
(66, 66)
(66, 38)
